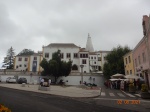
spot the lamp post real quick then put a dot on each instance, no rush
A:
(81, 73)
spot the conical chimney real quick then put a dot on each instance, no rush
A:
(89, 45)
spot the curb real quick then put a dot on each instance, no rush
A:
(51, 94)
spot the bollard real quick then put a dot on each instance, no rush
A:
(100, 91)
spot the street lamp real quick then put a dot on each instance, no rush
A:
(81, 73)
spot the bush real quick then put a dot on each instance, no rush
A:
(144, 88)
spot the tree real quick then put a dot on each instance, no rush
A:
(115, 62)
(44, 64)
(55, 67)
(9, 59)
(26, 52)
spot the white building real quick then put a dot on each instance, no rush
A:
(91, 61)
(102, 58)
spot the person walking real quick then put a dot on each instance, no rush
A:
(49, 82)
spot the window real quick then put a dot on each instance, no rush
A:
(62, 55)
(75, 55)
(20, 65)
(35, 58)
(81, 56)
(99, 58)
(130, 71)
(83, 61)
(68, 55)
(92, 57)
(17, 66)
(135, 62)
(19, 59)
(104, 58)
(96, 67)
(144, 58)
(25, 65)
(26, 59)
(86, 55)
(46, 55)
(139, 60)
(99, 68)
(129, 59)
(94, 62)
(127, 72)
(126, 61)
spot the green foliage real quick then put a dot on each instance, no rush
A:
(26, 52)
(74, 67)
(55, 67)
(144, 88)
(45, 65)
(9, 59)
(115, 62)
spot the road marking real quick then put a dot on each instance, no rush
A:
(120, 94)
(130, 95)
(111, 94)
(103, 94)
(138, 95)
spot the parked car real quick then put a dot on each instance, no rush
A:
(11, 80)
(22, 80)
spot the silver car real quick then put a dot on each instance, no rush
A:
(11, 80)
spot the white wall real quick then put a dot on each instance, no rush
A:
(72, 80)
(29, 78)
(75, 80)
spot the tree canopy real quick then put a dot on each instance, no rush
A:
(26, 52)
(55, 67)
(115, 62)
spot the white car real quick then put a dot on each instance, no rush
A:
(11, 79)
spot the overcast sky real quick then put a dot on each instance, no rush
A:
(33, 23)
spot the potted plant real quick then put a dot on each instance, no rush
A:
(132, 88)
(144, 91)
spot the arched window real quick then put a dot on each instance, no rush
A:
(74, 67)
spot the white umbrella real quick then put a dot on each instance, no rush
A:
(132, 77)
(117, 75)
(115, 79)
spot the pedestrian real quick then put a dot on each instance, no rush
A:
(42, 82)
(49, 81)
